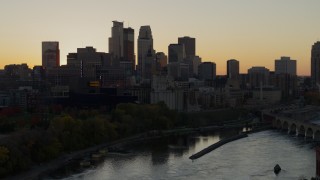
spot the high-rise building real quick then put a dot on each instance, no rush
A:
(176, 53)
(286, 76)
(87, 61)
(233, 69)
(145, 47)
(162, 59)
(128, 46)
(189, 45)
(315, 64)
(50, 54)
(207, 71)
(20, 71)
(285, 65)
(116, 40)
(121, 45)
(178, 71)
(258, 76)
(195, 65)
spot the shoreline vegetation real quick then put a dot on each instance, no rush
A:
(39, 146)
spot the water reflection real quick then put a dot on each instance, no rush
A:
(249, 158)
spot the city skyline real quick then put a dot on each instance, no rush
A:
(251, 32)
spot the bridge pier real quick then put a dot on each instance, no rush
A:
(316, 136)
(293, 129)
(301, 131)
(309, 133)
(285, 127)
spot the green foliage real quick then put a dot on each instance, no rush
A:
(68, 130)
(133, 118)
(73, 130)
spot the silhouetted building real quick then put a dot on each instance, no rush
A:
(233, 69)
(285, 65)
(162, 59)
(19, 71)
(176, 53)
(50, 54)
(196, 61)
(258, 76)
(128, 47)
(87, 61)
(286, 77)
(315, 64)
(189, 45)
(38, 78)
(178, 71)
(145, 47)
(116, 40)
(150, 65)
(287, 84)
(207, 71)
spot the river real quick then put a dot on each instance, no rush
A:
(251, 158)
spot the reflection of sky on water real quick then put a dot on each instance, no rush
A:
(249, 158)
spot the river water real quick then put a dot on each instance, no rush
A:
(251, 158)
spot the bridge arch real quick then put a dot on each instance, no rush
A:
(316, 136)
(279, 124)
(309, 133)
(302, 131)
(285, 126)
(293, 129)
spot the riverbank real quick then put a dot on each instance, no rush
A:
(39, 171)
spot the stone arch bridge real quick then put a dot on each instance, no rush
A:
(299, 128)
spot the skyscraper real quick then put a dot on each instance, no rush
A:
(162, 59)
(233, 69)
(121, 45)
(176, 53)
(315, 64)
(128, 46)
(116, 40)
(189, 45)
(285, 65)
(258, 76)
(145, 47)
(207, 71)
(50, 54)
(286, 76)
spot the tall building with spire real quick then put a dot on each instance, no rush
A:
(145, 47)
(315, 64)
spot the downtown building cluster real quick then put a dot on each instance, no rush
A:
(180, 79)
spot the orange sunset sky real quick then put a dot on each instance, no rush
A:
(253, 32)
